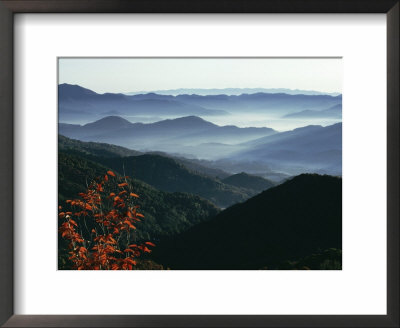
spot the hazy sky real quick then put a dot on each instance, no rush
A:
(140, 74)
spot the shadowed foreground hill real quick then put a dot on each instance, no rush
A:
(165, 213)
(288, 222)
(167, 174)
(248, 181)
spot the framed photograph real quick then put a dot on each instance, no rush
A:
(213, 164)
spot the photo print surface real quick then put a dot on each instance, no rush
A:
(199, 164)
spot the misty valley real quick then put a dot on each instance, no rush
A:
(236, 181)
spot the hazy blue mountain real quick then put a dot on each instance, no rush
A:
(263, 102)
(75, 101)
(307, 149)
(335, 112)
(234, 91)
(166, 135)
(293, 220)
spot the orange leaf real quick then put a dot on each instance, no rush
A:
(111, 173)
(129, 224)
(141, 215)
(73, 222)
(122, 184)
(134, 195)
(130, 261)
(149, 243)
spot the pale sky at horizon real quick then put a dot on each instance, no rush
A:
(121, 75)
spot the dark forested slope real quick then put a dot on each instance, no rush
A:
(288, 222)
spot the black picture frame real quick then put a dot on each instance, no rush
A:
(10, 7)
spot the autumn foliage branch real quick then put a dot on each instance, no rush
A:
(100, 225)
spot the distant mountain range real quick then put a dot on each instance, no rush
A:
(335, 112)
(77, 103)
(297, 218)
(233, 91)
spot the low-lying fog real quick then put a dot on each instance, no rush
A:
(275, 122)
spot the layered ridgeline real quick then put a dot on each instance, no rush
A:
(192, 126)
(185, 135)
(332, 112)
(297, 224)
(168, 174)
(77, 102)
(233, 91)
(312, 148)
